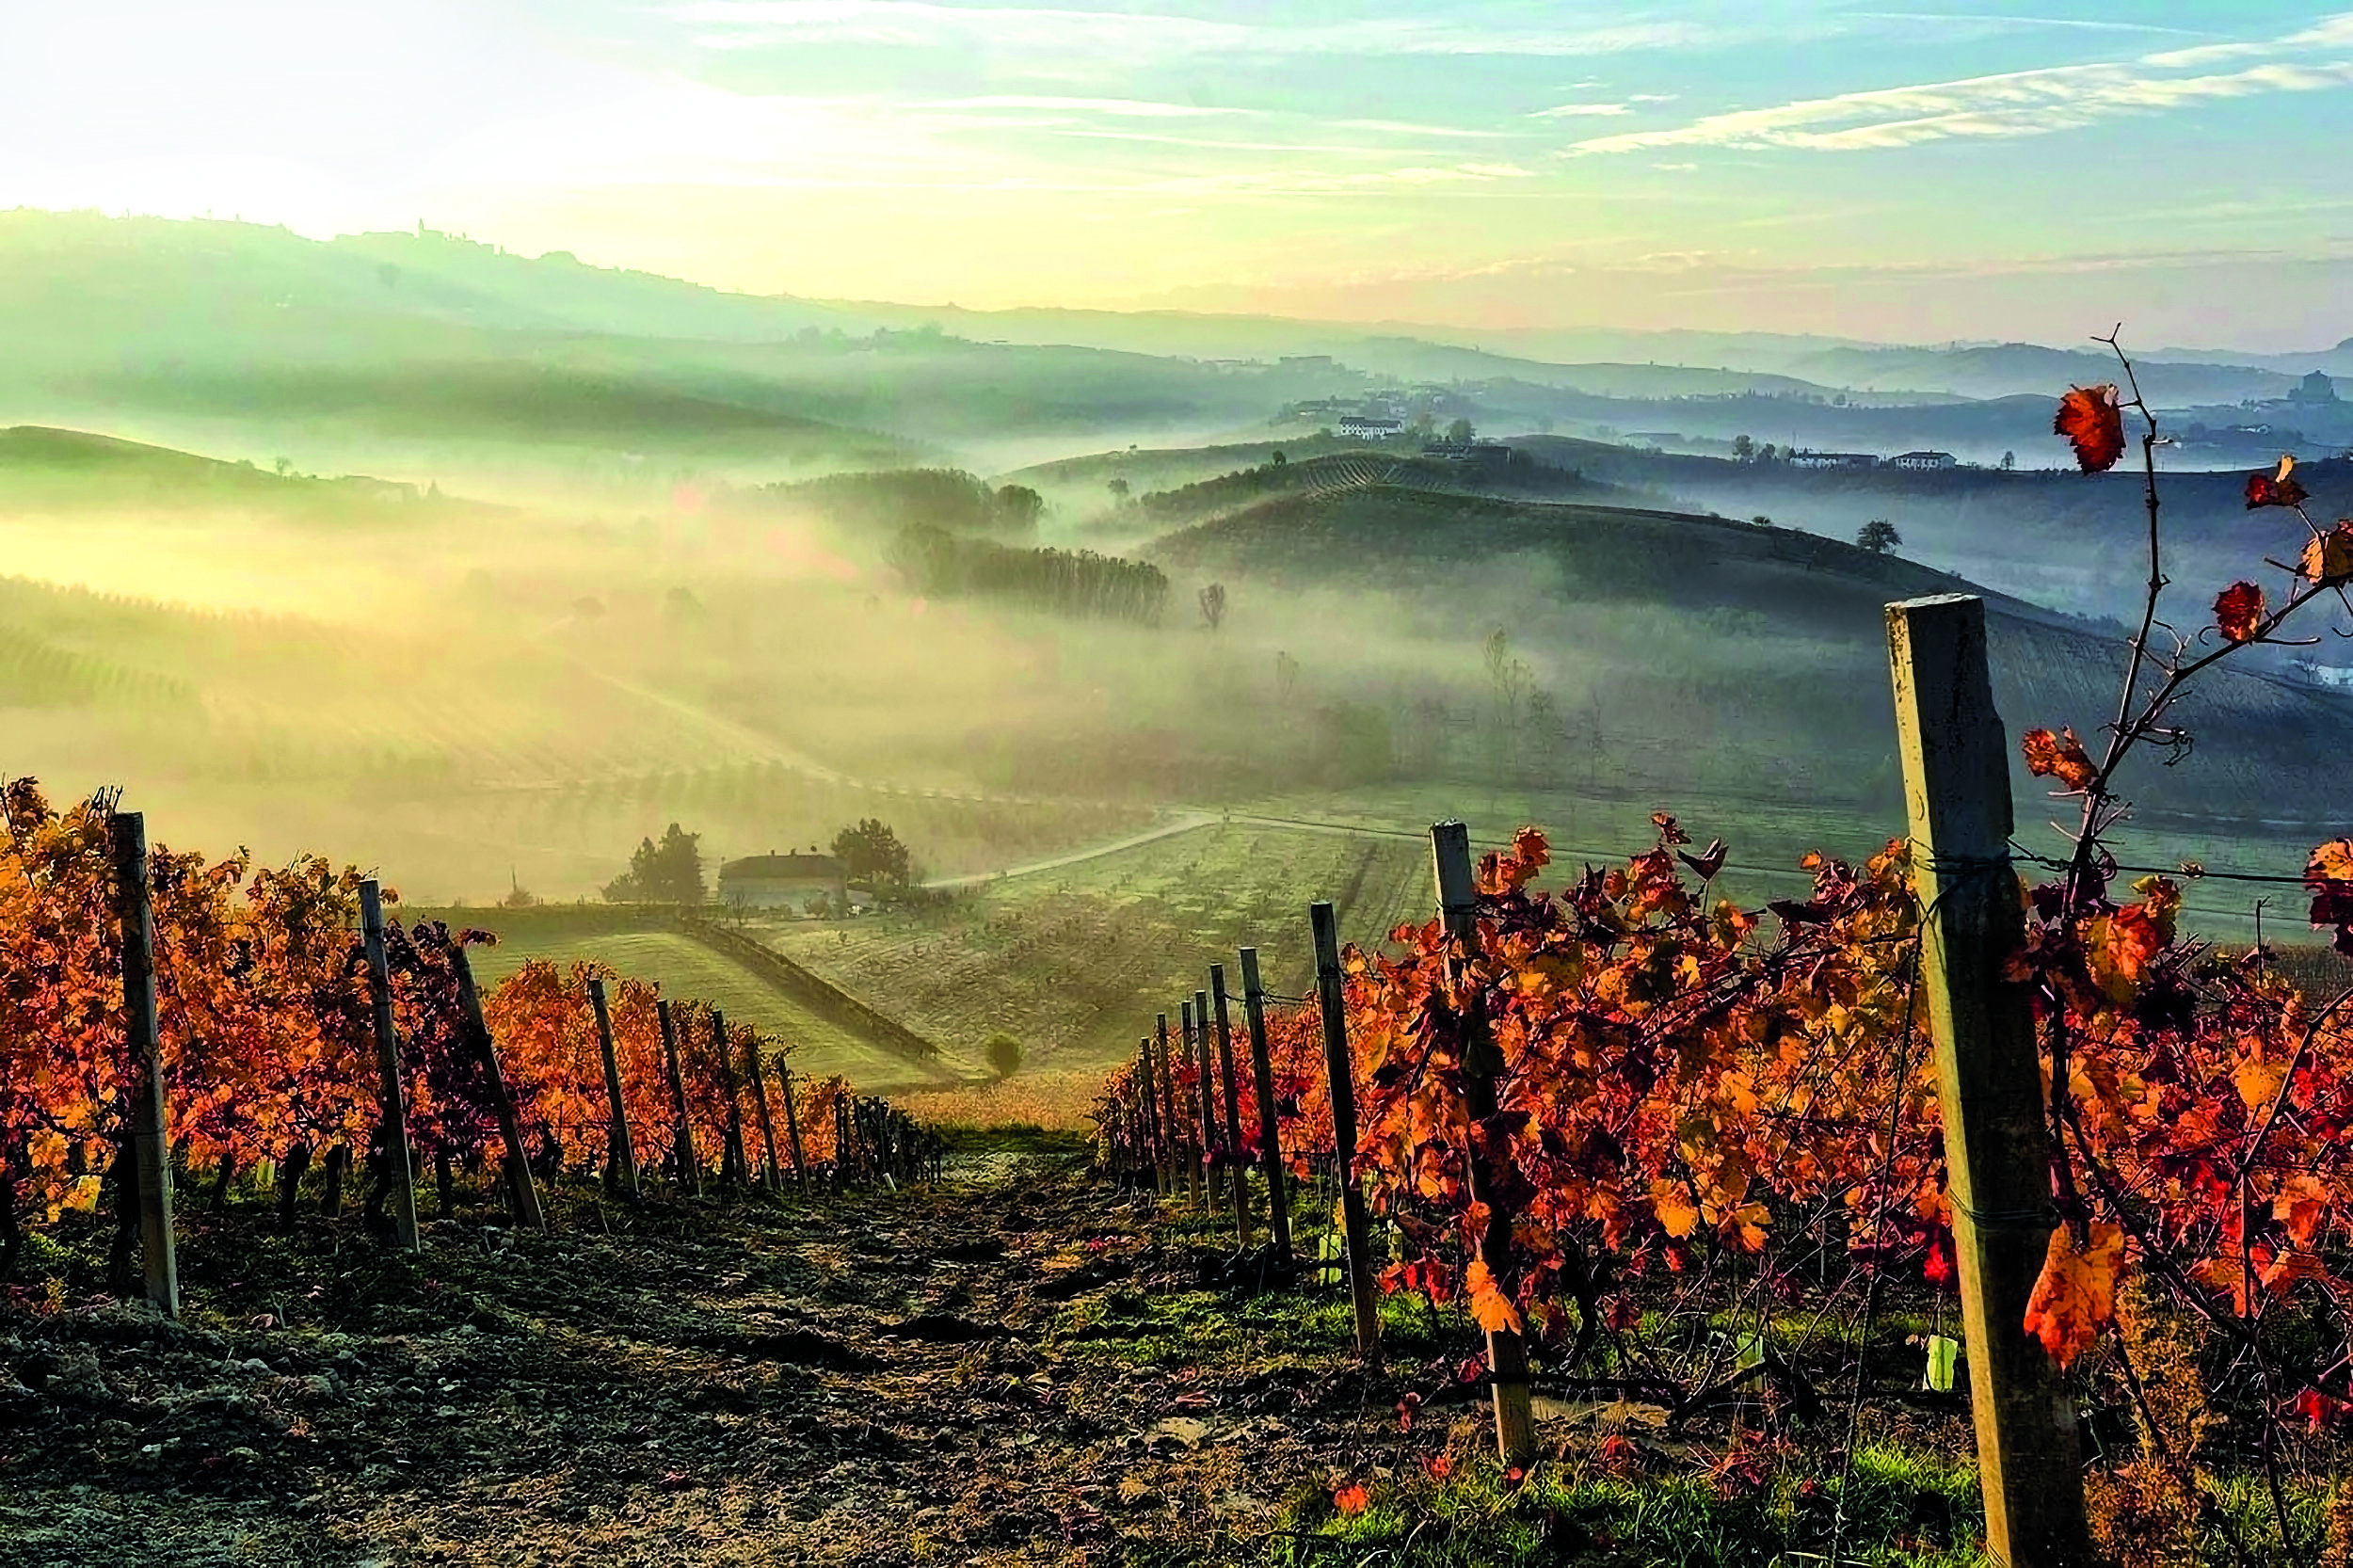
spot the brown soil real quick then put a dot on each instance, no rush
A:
(982, 1373)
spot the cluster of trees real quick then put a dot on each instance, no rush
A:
(1070, 582)
(872, 854)
(949, 500)
(670, 872)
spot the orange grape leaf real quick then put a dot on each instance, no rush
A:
(2092, 422)
(2330, 862)
(2238, 612)
(2258, 1082)
(2276, 489)
(1487, 1303)
(2062, 756)
(2075, 1296)
(2120, 948)
(1677, 1215)
(2283, 1275)
(2328, 558)
(2300, 1204)
(1352, 1498)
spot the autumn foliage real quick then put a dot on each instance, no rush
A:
(266, 1030)
(1685, 1085)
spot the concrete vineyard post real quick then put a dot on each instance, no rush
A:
(1237, 1169)
(1956, 768)
(621, 1158)
(522, 1193)
(1507, 1352)
(1262, 1080)
(774, 1178)
(735, 1164)
(400, 1169)
(1355, 1230)
(151, 1141)
(690, 1170)
(792, 1126)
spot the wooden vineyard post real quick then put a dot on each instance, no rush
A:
(522, 1193)
(1172, 1134)
(733, 1164)
(151, 1140)
(621, 1158)
(689, 1170)
(1238, 1165)
(399, 1169)
(1152, 1100)
(1269, 1124)
(1355, 1228)
(792, 1126)
(774, 1178)
(1955, 765)
(1205, 1066)
(1196, 1124)
(1507, 1352)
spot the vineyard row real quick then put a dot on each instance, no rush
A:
(163, 1015)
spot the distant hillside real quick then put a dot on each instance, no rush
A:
(1519, 475)
(2007, 369)
(43, 468)
(1710, 638)
(2060, 537)
(424, 338)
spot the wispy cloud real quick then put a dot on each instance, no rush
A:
(2014, 104)
(1412, 128)
(913, 23)
(1323, 182)
(1583, 111)
(1125, 108)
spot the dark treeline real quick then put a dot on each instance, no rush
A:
(949, 500)
(1070, 582)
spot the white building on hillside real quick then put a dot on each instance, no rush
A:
(1924, 462)
(1369, 427)
(784, 882)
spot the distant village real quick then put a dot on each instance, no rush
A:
(2311, 412)
(1353, 421)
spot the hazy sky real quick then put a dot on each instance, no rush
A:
(1920, 168)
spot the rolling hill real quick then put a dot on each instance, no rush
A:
(1731, 651)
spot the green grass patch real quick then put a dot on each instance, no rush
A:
(1757, 1512)
(1015, 1138)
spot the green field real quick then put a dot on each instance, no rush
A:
(1075, 962)
(685, 968)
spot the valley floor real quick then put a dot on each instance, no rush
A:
(1015, 1367)
(869, 1379)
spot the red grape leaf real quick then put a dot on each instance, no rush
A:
(2238, 611)
(2075, 1296)
(2276, 489)
(1709, 861)
(2090, 419)
(2060, 756)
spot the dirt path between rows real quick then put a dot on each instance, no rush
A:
(998, 1370)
